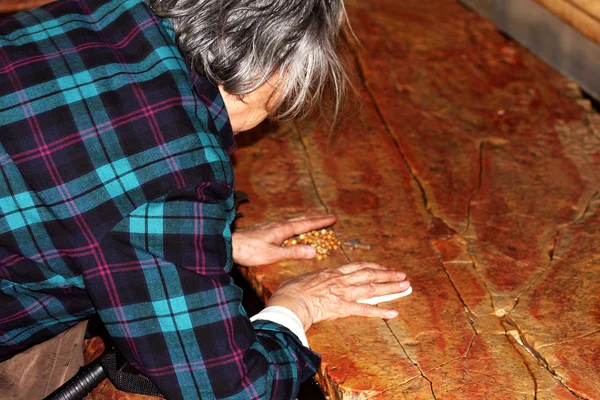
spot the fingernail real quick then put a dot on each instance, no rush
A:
(391, 314)
(404, 284)
(401, 275)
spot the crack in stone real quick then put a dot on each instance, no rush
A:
(474, 265)
(314, 182)
(570, 339)
(324, 205)
(412, 361)
(427, 207)
(388, 129)
(471, 345)
(553, 247)
(533, 378)
(416, 179)
(507, 320)
(316, 189)
(411, 379)
(310, 167)
(449, 361)
(504, 317)
(477, 190)
(469, 312)
(413, 175)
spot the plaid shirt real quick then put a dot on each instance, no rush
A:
(116, 198)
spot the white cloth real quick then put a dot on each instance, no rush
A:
(286, 317)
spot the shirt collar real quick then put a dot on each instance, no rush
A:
(210, 96)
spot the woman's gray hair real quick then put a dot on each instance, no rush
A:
(242, 44)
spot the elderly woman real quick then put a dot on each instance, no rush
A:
(116, 188)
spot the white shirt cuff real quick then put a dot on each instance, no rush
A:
(283, 316)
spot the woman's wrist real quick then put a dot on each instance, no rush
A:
(285, 317)
(237, 248)
(295, 305)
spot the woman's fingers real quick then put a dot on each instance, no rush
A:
(305, 224)
(360, 292)
(369, 274)
(357, 266)
(296, 252)
(314, 216)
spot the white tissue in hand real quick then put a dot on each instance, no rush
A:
(387, 297)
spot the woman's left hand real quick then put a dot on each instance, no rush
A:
(261, 244)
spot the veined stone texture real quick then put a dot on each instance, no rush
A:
(475, 168)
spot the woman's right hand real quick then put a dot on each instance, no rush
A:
(333, 293)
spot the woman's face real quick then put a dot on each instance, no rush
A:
(252, 110)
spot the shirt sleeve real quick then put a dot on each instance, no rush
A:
(285, 317)
(166, 297)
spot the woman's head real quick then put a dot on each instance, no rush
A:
(242, 44)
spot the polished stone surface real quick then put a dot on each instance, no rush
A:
(12, 6)
(475, 168)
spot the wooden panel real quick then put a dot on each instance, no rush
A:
(591, 7)
(583, 15)
(548, 36)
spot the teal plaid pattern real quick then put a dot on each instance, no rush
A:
(116, 199)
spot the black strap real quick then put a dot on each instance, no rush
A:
(126, 381)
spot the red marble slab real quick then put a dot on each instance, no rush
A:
(472, 166)
(11, 6)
